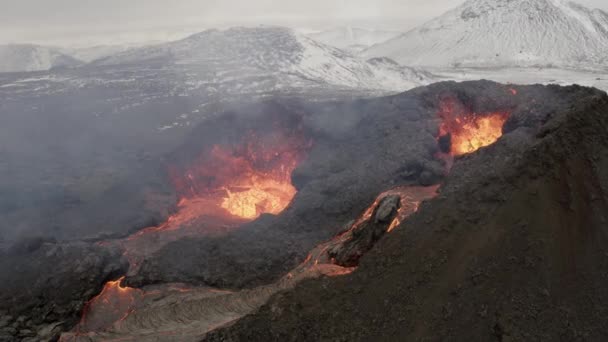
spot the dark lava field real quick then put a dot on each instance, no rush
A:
(457, 211)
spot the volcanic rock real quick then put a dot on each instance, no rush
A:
(387, 209)
(366, 234)
(360, 149)
(49, 284)
(514, 248)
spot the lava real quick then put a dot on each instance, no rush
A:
(319, 257)
(113, 304)
(248, 179)
(468, 131)
(411, 197)
(228, 185)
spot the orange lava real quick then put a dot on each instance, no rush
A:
(113, 304)
(469, 131)
(411, 197)
(246, 180)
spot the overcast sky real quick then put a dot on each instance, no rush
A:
(56, 21)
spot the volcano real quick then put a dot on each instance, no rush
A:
(512, 249)
(505, 33)
(288, 220)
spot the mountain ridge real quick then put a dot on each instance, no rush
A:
(353, 39)
(31, 57)
(272, 50)
(491, 33)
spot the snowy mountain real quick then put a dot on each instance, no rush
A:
(17, 57)
(353, 39)
(253, 55)
(505, 33)
(89, 54)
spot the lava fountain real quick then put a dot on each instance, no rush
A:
(248, 179)
(466, 131)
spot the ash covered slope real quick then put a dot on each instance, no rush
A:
(23, 57)
(271, 51)
(505, 33)
(514, 248)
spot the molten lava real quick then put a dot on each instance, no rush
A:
(113, 304)
(411, 197)
(469, 131)
(319, 257)
(248, 179)
(227, 186)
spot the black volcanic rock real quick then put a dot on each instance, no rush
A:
(44, 286)
(360, 149)
(367, 234)
(513, 249)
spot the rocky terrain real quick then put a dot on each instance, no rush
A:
(511, 249)
(469, 250)
(44, 286)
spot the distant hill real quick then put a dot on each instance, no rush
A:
(26, 57)
(353, 39)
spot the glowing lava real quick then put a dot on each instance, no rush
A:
(469, 131)
(259, 193)
(113, 304)
(225, 187)
(319, 257)
(411, 197)
(246, 180)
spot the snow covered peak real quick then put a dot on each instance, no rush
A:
(26, 57)
(505, 33)
(270, 51)
(353, 39)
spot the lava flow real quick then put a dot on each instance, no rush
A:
(113, 304)
(225, 187)
(466, 131)
(321, 256)
(233, 184)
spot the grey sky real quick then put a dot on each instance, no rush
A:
(55, 21)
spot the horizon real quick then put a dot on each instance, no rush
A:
(80, 25)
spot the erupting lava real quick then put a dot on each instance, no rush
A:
(225, 187)
(468, 131)
(248, 179)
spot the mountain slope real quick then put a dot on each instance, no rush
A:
(89, 54)
(513, 248)
(270, 51)
(15, 58)
(505, 33)
(353, 39)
